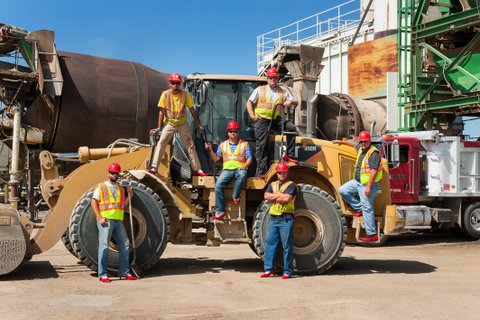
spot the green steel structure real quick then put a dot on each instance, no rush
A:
(439, 62)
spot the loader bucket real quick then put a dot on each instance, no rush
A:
(13, 245)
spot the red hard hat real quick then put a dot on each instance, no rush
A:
(364, 136)
(175, 77)
(272, 72)
(114, 167)
(233, 125)
(282, 167)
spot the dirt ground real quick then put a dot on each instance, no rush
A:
(413, 277)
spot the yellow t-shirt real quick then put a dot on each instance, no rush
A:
(174, 116)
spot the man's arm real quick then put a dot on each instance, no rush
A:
(247, 164)
(212, 154)
(251, 113)
(96, 211)
(161, 115)
(373, 175)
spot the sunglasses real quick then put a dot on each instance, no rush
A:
(273, 78)
(281, 172)
(364, 141)
(114, 173)
(236, 131)
(174, 83)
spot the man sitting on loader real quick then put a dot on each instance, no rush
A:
(237, 157)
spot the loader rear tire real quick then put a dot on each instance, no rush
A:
(320, 231)
(151, 225)
(471, 220)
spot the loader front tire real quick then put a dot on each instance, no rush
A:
(150, 222)
(320, 231)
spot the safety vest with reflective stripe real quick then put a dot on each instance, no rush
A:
(233, 161)
(110, 207)
(173, 111)
(278, 209)
(365, 168)
(265, 105)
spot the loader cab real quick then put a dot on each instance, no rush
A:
(218, 100)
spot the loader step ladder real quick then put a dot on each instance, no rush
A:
(233, 227)
(358, 224)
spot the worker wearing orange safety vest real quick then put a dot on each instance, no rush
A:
(264, 107)
(237, 157)
(108, 204)
(281, 194)
(172, 117)
(359, 193)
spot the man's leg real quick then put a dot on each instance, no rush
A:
(349, 192)
(367, 209)
(271, 243)
(186, 135)
(261, 137)
(240, 177)
(223, 180)
(123, 244)
(286, 235)
(104, 235)
(168, 132)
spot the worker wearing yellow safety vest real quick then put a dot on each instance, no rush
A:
(360, 192)
(264, 107)
(172, 117)
(108, 204)
(237, 157)
(281, 194)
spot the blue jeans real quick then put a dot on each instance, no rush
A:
(279, 230)
(353, 192)
(115, 228)
(223, 180)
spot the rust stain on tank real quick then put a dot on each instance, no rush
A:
(368, 64)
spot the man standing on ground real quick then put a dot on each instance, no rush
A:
(173, 104)
(237, 157)
(269, 100)
(360, 192)
(108, 204)
(281, 194)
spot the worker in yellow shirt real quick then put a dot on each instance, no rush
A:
(172, 118)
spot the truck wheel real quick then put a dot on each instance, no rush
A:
(67, 243)
(151, 226)
(320, 231)
(471, 221)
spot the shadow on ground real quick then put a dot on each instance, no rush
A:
(182, 266)
(352, 266)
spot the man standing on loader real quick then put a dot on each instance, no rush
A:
(360, 192)
(270, 100)
(108, 204)
(237, 157)
(281, 194)
(173, 113)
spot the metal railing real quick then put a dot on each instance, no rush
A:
(310, 30)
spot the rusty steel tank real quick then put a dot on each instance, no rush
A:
(102, 100)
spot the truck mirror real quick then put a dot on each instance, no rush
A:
(395, 154)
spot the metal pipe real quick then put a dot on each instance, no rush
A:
(312, 116)
(14, 173)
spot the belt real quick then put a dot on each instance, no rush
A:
(283, 216)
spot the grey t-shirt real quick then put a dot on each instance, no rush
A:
(373, 161)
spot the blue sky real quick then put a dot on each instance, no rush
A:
(209, 36)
